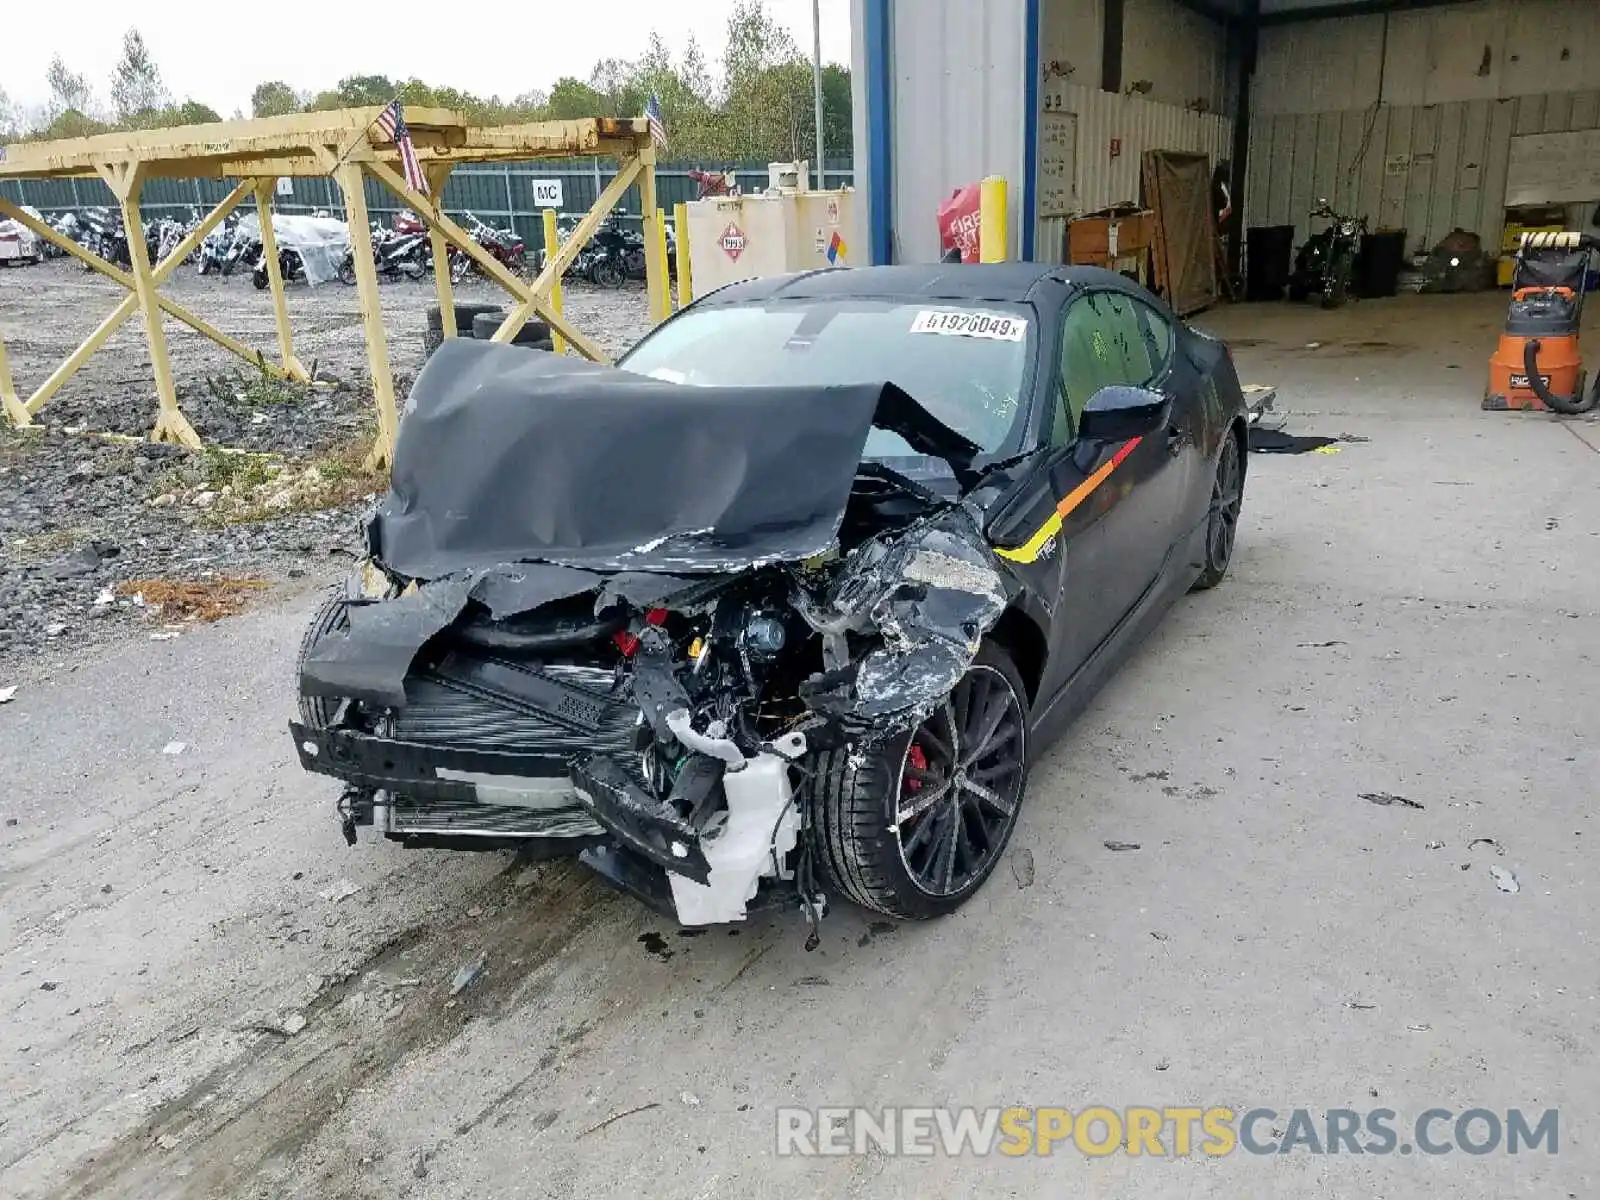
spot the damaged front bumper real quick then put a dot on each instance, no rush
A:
(427, 795)
(417, 792)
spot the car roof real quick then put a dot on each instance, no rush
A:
(1014, 281)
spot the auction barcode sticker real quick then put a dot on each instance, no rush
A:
(970, 324)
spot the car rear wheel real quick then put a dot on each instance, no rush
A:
(1222, 519)
(913, 826)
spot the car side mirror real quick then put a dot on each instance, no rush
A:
(1119, 412)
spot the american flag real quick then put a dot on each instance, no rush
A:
(658, 131)
(392, 120)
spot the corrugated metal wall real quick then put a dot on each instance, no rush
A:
(1138, 125)
(1179, 53)
(957, 110)
(1425, 168)
(1488, 50)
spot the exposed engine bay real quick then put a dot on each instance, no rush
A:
(633, 651)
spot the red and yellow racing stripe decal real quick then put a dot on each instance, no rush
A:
(1029, 550)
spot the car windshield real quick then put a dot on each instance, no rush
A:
(964, 362)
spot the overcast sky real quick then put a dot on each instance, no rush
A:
(216, 52)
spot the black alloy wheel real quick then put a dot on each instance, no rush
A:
(911, 826)
(961, 784)
(1222, 519)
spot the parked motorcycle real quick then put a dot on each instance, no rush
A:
(578, 268)
(406, 255)
(290, 266)
(67, 225)
(616, 252)
(214, 249)
(244, 249)
(1326, 263)
(504, 244)
(103, 235)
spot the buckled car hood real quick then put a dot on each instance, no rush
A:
(508, 456)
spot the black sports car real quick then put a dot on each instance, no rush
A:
(782, 607)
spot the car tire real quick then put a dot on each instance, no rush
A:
(485, 324)
(316, 712)
(880, 851)
(464, 314)
(1222, 514)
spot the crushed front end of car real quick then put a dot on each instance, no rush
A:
(611, 616)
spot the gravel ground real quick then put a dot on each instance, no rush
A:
(81, 514)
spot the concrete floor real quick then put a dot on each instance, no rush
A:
(1414, 615)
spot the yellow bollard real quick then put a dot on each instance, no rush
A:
(992, 219)
(661, 258)
(552, 242)
(680, 221)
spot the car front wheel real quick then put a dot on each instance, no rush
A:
(912, 827)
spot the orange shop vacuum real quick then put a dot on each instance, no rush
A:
(1538, 364)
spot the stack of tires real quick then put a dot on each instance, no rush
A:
(480, 321)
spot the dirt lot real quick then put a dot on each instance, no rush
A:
(206, 994)
(80, 514)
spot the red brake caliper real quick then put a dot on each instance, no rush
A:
(914, 758)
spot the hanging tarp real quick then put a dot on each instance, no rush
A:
(1177, 186)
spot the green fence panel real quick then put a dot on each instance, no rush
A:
(501, 194)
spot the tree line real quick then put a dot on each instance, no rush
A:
(761, 107)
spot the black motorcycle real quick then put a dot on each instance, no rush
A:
(1326, 263)
(612, 252)
(394, 255)
(103, 235)
(291, 267)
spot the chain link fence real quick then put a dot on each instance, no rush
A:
(500, 194)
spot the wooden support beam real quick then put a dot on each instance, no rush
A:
(127, 180)
(9, 404)
(130, 303)
(531, 299)
(555, 266)
(269, 257)
(438, 174)
(350, 177)
(654, 276)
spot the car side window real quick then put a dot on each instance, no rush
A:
(1105, 340)
(1159, 337)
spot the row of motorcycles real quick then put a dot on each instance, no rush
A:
(101, 231)
(614, 256)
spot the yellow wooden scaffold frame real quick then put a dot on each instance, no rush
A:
(347, 145)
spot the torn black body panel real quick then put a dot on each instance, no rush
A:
(928, 594)
(506, 456)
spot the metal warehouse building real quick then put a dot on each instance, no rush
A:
(1414, 113)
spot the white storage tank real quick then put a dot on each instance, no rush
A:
(783, 229)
